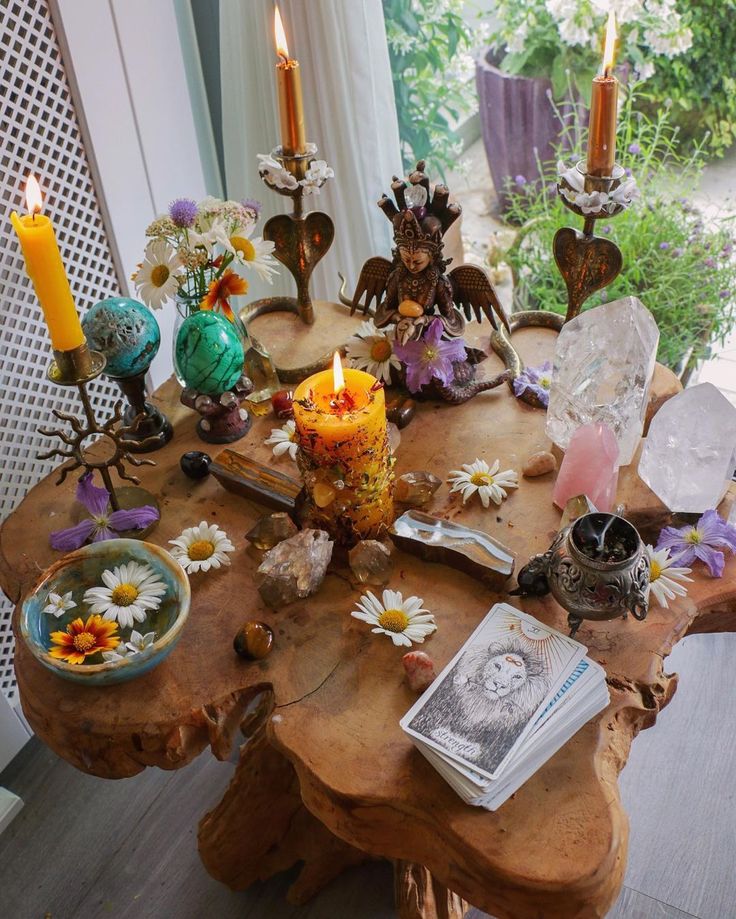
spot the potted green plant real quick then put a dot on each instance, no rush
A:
(543, 48)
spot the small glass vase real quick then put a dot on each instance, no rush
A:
(186, 305)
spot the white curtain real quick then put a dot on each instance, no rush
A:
(349, 113)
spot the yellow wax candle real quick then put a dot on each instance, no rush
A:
(344, 453)
(46, 269)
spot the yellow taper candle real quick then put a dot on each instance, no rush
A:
(46, 269)
(344, 454)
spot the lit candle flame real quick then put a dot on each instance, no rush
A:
(282, 49)
(338, 378)
(34, 198)
(610, 47)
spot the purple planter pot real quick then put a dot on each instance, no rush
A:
(519, 125)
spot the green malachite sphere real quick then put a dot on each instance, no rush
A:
(126, 332)
(209, 353)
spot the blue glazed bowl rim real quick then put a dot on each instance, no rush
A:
(162, 644)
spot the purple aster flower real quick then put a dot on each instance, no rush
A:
(183, 212)
(250, 204)
(635, 149)
(102, 523)
(607, 229)
(724, 294)
(537, 380)
(429, 357)
(628, 172)
(701, 541)
(664, 245)
(520, 180)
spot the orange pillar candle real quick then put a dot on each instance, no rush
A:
(603, 111)
(46, 269)
(291, 107)
(344, 454)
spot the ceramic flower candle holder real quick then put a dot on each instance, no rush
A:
(70, 578)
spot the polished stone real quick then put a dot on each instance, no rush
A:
(209, 353)
(126, 332)
(195, 464)
(254, 641)
(295, 568)
(689, 455)
(370, 562)
(419, 669)
(539, 464)
(271, 530)
(603, 366)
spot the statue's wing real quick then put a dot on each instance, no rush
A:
(372, 282)
(473, 292)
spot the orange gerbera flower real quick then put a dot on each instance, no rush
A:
(84, 638)
(221, 289)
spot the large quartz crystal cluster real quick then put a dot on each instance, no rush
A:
(604, 362)
(690, 451)
(295, 568)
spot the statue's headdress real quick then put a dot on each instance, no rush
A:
(418, 222)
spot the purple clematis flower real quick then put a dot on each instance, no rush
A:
(536, 379)
(102, 523)
(701, 541)
(429, 357)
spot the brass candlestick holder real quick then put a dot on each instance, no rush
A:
(300, 239)
(77, 367)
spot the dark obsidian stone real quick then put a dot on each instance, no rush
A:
(195, 464)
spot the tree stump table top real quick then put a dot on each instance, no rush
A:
(325, 743)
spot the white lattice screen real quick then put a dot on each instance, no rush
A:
(40, 132)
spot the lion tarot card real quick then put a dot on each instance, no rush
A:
(487, 700)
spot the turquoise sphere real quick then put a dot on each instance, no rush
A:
(126, 332)
(209, 353)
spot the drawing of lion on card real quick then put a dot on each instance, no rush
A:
(485, 702)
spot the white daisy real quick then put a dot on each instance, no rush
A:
(137, 642)
(371, 349)
(490, 484)
(58, 604)
(159, 275)
(283, 440)
(119, 654)
(404, 621)
(253, 253)
(130, 591)
(663, 577)
(202, 547)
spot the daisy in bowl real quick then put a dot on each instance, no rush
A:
(283, 440)
(371, 349)
(404, 621)
(664, 576)
(58, 604)
(129, 592)
(490, 484)
(202, 547)
(159, 275)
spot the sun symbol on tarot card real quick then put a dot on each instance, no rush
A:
(108, 441)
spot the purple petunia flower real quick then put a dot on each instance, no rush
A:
(183, 212)
(537, 380)
(701, 541)
(250, 204)
(102, 523)
(429, 357)
(634, 149)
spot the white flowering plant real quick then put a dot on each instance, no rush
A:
(430, 45)
(554, 38)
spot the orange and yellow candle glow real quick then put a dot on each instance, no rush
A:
(344, 452)
(46, 269)
(289, 83)
(603, 110)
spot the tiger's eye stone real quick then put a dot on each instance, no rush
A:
(254, 641)
(411, 308)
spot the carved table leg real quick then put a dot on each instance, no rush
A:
(261, 828)
(419, 896)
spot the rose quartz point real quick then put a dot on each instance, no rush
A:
(419, 669)
(590, 467)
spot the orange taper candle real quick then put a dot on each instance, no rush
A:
(344, 452)
(291, 107)
(46, 269)
(603, 111)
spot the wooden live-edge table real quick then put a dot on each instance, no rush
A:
(326, 775)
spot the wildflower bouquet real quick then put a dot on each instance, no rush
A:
(192, 251)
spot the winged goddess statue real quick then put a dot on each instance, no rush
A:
(413, 289)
